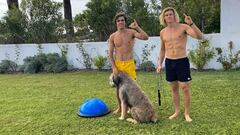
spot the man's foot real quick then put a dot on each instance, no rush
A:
(117, 111)
(187, 118)
(121, 118)
(175, 115)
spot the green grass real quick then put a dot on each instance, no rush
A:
(47, 104)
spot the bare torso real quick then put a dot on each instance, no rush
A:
(123, 42)
(175, 40)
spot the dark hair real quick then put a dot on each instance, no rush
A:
(120, 14)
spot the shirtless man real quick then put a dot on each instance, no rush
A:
(173, 47)
(121, 44)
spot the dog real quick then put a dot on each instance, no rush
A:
(131, 96)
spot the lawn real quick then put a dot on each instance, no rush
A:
(47, 104)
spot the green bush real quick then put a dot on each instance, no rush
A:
(7, 66)
(51, 62)
(201, 55)
(147, 66)
(55, 63)
(34, 64)
(229, 60)
(99, 61)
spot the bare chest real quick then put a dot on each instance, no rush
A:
(123, 40)
(174, 36)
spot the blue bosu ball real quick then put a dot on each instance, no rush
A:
(93, 108)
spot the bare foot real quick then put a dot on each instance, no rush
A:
(175, 115)
(121, 118)
(117, 111)
(187, 118)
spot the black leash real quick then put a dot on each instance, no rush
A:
(159, 88)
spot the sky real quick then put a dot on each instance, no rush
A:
(77, 6)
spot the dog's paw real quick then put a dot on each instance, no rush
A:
(121, 118)
(132, 120)
(112, 84)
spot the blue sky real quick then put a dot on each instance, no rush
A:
(77, 6)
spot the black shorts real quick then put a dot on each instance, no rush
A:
(177, 70)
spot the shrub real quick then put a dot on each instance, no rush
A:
(55, 63)
(147, 66)
(34, 64)
(51, 62)
(230, 60)
(7, 66)
(99, 61)
(202, 54)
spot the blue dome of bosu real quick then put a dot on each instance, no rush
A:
(93, 108)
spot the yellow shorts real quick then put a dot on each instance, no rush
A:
(128, 67)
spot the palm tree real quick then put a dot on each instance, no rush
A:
(68, 17)
(12, 4)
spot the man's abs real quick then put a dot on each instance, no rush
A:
(123, 56)
(176, 50)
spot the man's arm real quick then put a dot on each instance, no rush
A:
(139, 33)
(192, 29)
(110, 53)
(161, 54)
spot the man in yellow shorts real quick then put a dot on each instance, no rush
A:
(128, 67)
(121, 44)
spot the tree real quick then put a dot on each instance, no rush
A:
(13, 24)
(12, 4)
(13, 27)
(99, 17)
(205, 13)
(44, 18)
(140, 10)
(68, 17)
(82, 27)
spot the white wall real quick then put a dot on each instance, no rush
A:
(100, 48)
(230, 31)
(230, 20)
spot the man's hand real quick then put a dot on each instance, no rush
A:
(134, 25)
(159, 68)
(188, 19)
(115, 71)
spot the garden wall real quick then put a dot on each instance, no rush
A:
(230, 31)
(18, 52)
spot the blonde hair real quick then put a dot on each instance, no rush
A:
(161, 17)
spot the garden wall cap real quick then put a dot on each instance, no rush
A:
(93, 107)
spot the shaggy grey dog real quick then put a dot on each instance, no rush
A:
(131, 96)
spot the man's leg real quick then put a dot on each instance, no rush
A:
(176, 99)
(186, 94)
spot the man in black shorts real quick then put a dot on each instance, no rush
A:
(177, 70)
(173, 47)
